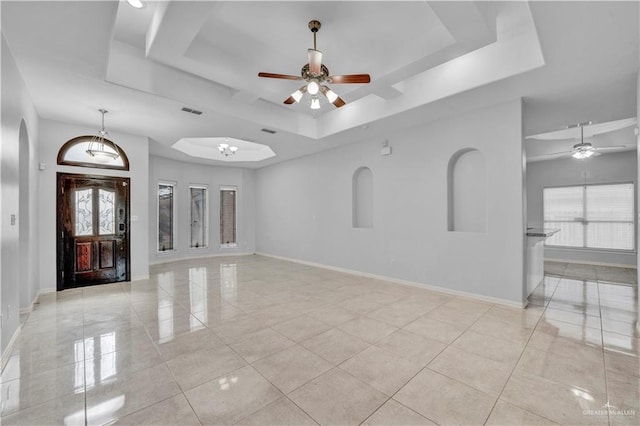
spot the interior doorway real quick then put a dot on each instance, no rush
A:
(93, 230)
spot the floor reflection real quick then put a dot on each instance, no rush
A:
(198, 290)
(249, 327)
(229, 282)
(165, 305)
(11, 385)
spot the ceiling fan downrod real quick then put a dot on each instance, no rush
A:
(314, 26)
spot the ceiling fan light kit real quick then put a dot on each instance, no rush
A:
(315, 74)
(583, 154)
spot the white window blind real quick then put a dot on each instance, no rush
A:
(166, 213)
(591, 216)
(199, 216)
(228, 217)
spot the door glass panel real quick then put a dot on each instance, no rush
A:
(107, 216)
(83, 207)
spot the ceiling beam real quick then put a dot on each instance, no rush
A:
(174, 26)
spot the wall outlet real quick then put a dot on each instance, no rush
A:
(13, 220)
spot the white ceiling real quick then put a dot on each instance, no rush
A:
(570, 61)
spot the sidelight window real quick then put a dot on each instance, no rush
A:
(228, 217)
(166, 215)
(199, 216)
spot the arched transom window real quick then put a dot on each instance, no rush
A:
(80, 151)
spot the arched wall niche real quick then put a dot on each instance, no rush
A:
(73, 153)
(362, 198)
(467, 191)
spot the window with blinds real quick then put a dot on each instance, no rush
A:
(199, 216)
(591, 216)
(166, 213)
(227, 217)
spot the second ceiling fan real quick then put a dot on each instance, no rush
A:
(316, 74)
(584, 150)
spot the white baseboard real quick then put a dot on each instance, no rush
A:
(7, 352)
(28, 309)
(586, 262)
(204, 256)
(437, 289)
(140, 277)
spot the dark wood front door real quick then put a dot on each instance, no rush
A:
(93, 230)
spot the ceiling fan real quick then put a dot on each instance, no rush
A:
(315, 74)
(584, 150)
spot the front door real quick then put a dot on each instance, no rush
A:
(93, 230)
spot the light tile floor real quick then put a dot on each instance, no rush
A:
(257, 341)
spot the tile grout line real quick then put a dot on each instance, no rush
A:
(426, 366)
(84, 363)
(399, 389)
(524, 348)
(604, 363)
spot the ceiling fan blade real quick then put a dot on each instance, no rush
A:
(607, 148)
(559, 154)
(280, 76)
(336, 100)
(315, 62)
(350, 79)
(289, 100)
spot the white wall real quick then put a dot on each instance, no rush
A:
(617, 167)
(54, 134)
(16, 107)
(184, 174)
(304, 207)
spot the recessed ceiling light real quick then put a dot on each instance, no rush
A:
(138, 4)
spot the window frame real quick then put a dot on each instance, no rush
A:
(235, 190)
(584, 221)
(174, 213)
(206, 216)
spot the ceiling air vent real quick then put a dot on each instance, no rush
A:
(192, 111)
(268, 131)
